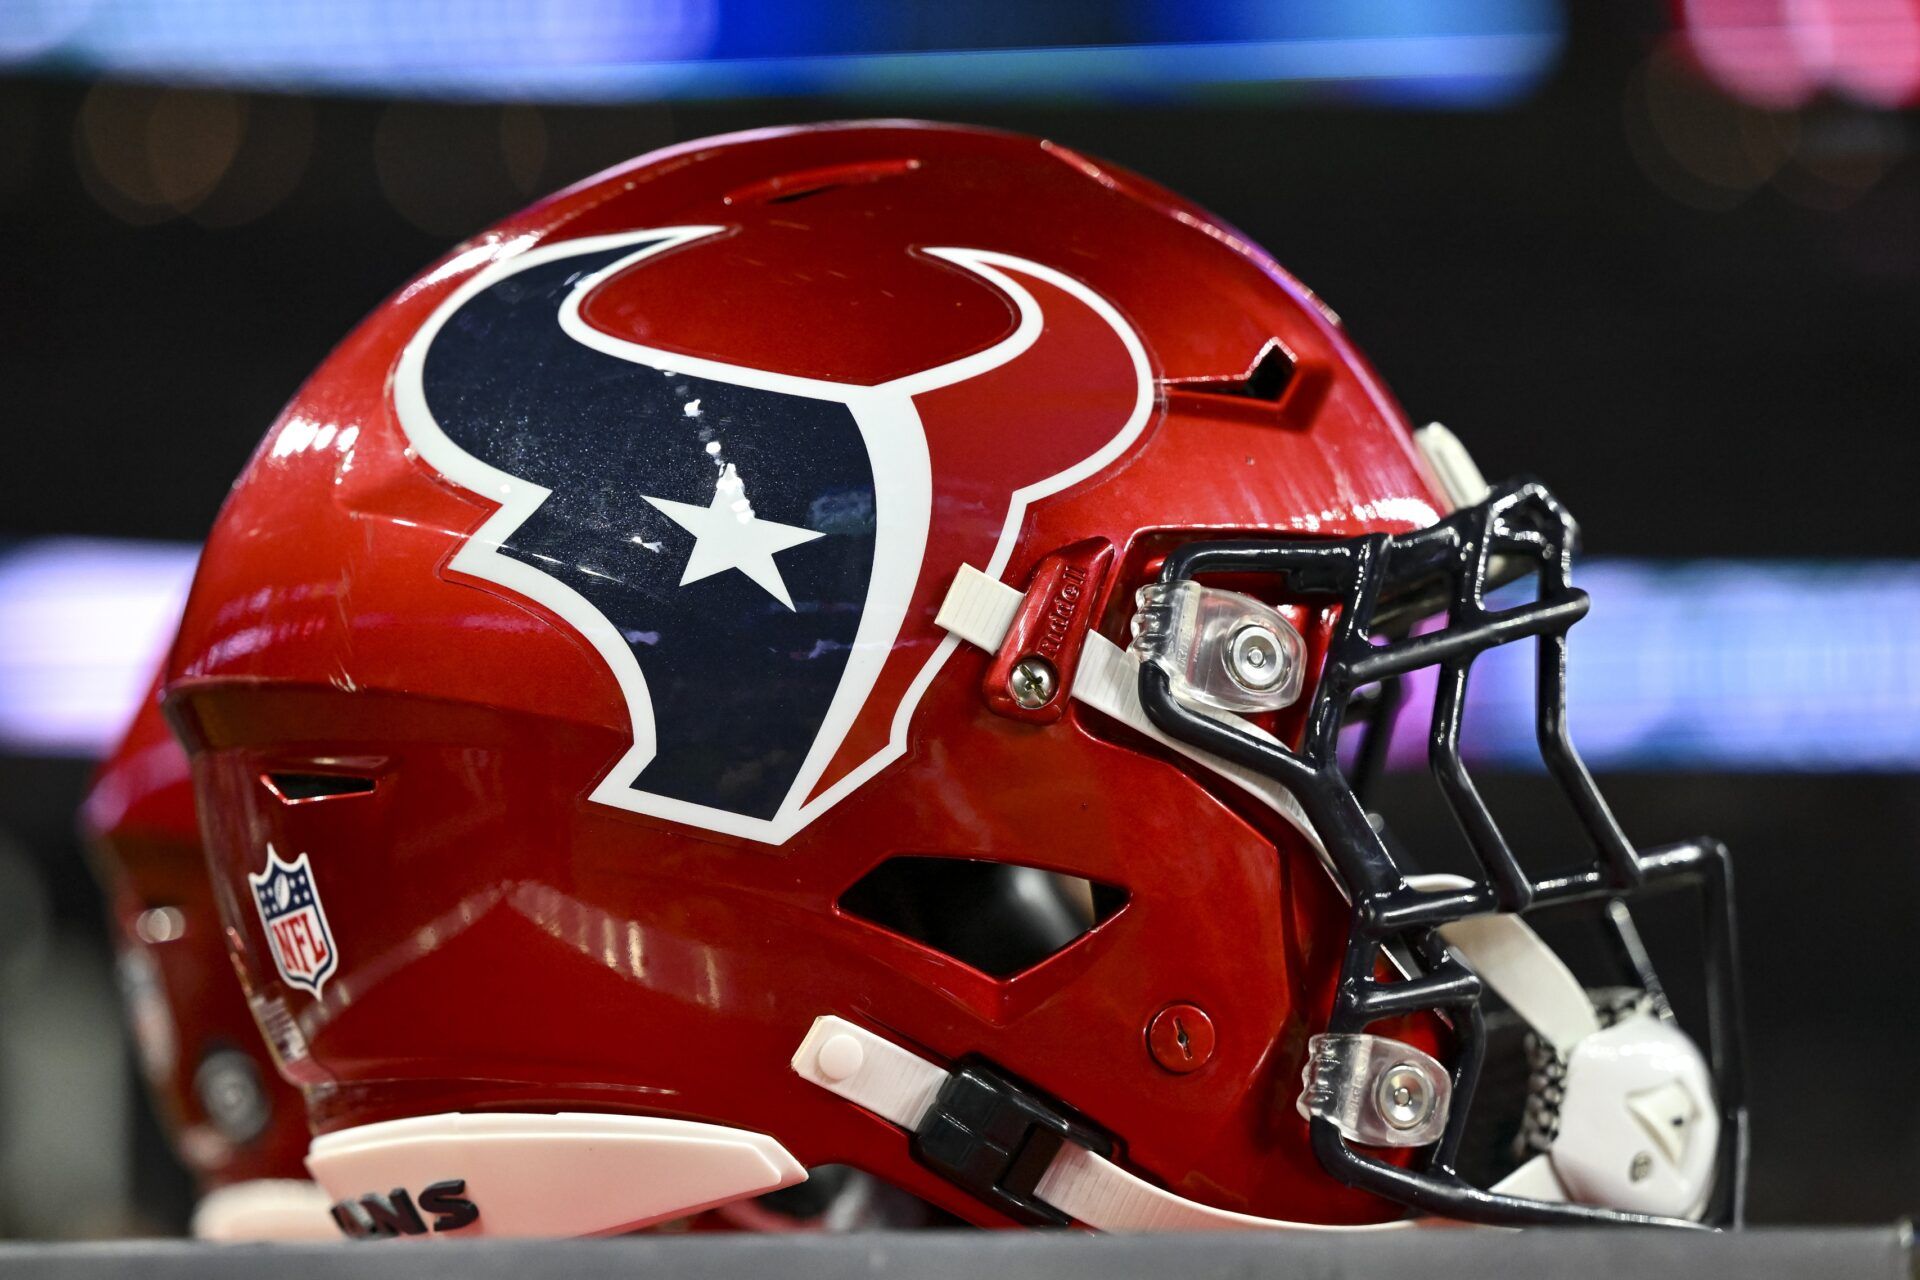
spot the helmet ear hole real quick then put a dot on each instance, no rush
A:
(998, 917)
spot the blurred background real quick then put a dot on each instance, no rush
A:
(1665, 255)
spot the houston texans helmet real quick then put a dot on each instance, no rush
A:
(239, 1129)
(864, 646)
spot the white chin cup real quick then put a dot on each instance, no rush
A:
(1639, 1129)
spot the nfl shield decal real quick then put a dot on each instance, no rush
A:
(296, 923)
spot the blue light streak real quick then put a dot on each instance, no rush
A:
(1437, 52)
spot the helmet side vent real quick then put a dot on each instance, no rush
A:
(996, 917)
(300, 788)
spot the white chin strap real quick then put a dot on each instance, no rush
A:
(1637, 1126)
(899, 1085)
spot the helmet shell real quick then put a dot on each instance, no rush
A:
(506, 940)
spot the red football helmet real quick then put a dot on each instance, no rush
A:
(830, 646)
(239, 1128)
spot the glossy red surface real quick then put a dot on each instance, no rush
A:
(507, 943)
(144, 841)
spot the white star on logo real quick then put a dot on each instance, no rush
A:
(726, 535)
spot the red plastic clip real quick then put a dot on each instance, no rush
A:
(1031, 677)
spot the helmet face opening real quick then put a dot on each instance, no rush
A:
(1384, 585)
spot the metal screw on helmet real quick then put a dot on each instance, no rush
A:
(1255, 659)
(1180, 1037)
(1375, 1090)
(1032, 682)
(1403, 1097)
(1641, 1167)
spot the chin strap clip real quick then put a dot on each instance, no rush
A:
(996, 1139)
(1031, 675)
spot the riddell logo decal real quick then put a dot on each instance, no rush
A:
(1062, 610)
(296, 923)
(374, 1216)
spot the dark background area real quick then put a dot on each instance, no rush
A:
(1695, 381)
(1703, 361)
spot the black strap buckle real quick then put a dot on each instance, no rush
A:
(995, 1138)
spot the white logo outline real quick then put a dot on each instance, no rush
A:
(896, 444)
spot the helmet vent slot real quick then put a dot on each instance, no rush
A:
(996, 917)
(298, 788)
(1266, 379)
(788, 188)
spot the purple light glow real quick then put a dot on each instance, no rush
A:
(83, 623)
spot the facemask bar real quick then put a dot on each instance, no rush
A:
(1379, 580)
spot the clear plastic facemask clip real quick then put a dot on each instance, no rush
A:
(1220, 649)
(1377, 1091)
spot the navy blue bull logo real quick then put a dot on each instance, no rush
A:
(741, 547)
